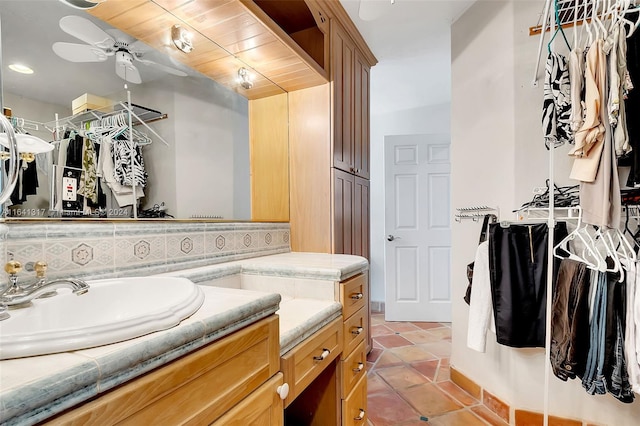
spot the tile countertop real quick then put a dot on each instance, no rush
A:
(337, 267)
(35, 388)
(32, 391)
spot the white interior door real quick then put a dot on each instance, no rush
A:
(418, 228)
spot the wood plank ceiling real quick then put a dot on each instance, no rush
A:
(226, 36)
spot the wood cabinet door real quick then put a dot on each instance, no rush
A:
(361, 104)
(361, 217)
(342, 72)
(343, 192)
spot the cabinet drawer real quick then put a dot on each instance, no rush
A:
(262, 407)
(352, 369)
(308, 359)
(355, 330)
(195, 389)
(354, 407)
(353, 294)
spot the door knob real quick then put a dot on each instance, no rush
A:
(392, 237)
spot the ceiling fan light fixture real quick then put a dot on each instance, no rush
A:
(245, 78)
(82, 4)
(182, 38)
(22, 69)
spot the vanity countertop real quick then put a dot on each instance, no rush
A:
(34, 388)
(321, 266)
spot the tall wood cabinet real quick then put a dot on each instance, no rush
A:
(350, 78)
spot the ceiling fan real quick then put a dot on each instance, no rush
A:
(101, 44)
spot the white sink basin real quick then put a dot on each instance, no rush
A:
(112, 311)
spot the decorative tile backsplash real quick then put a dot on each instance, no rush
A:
(112, 249)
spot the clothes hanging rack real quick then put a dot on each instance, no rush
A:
(569, 14)
(140, 116)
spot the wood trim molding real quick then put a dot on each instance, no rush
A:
(337, 12)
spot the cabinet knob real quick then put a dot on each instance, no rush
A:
(357, 330)
(357, 296)
(283, 390)
(360, 416)
(359, 368)
(325, 353)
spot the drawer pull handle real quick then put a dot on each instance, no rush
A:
(357, 330)
(283, 390)
(359, 368)
(357, 296)
(325, 353)
(360, 416)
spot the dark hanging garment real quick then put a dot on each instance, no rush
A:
(615, 364)
(632, 110)
(74, 152)
(570, 320)
(518, 265)
(27, 183)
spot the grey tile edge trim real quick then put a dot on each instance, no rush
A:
(298, 339)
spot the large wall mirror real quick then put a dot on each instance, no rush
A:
(194, 144)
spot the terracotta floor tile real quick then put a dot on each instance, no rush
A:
(488, 415)
(427, 368)
(427, 325)
(409, 377)
(401, 327)
(443, 373)
(387, 359)
(421, 336)
(442, 333)
(380, 330)
(457, 418)
(428, 400)
(412, 354)
(376, 385)
(388, 408)
(441, 348)
(401, 377)
(458, 393)
(374, 354)
(393, 341)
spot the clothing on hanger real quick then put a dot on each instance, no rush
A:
(556, 117)
(518, 267)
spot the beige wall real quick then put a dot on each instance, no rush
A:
(498, 156)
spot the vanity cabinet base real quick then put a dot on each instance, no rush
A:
(195, 389)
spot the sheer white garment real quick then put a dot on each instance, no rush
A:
(481, 305)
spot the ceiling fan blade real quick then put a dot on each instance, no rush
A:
(79, 52)
(164, 68)
(128, 72)
(85, 30)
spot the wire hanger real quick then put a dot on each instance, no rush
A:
(558, 29)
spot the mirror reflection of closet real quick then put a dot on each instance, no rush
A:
(203, 172)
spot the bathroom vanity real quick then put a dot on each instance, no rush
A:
(279, 338)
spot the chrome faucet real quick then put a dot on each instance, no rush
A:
(23, 299)
(15, 296)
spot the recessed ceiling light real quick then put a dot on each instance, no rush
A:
(22, 69)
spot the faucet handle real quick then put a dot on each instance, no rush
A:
(41, 269)
(13, 267)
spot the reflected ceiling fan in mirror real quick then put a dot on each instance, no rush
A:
(101, 44)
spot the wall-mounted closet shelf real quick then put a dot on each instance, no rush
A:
(569, 13)
(140, 114)
(474, 213)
